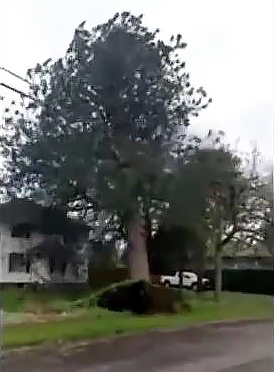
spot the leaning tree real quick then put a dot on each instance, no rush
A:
(101, 122)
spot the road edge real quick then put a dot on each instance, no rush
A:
(85, 342)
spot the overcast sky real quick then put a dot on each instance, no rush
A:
(229, 52)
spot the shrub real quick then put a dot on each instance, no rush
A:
(86, 302)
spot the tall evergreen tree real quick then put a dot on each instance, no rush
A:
(101, 123)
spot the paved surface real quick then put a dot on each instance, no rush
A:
(227, 348)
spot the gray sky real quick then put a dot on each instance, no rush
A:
(229, 52)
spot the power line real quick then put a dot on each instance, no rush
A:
(15, 75)
(22, 94)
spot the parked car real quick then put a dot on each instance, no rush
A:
(190, 280)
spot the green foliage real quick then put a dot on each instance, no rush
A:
(102, 277)
(104, 123)
(105, 117)
(266, 193)
(202, 191)
(104, 255)
(174, 247)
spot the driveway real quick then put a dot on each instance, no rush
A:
(241, 347)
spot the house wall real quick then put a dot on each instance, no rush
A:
(9, 245)
(39, 270)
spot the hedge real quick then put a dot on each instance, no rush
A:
(100, 278)
(260, 281)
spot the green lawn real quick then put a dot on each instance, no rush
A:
(15, 301)
(95, 322)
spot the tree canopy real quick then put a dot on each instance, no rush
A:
(103, 121)
(103, 136)
(102, 115)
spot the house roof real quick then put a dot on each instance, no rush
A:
(47, 220)
(20, 211)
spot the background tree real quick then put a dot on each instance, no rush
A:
(101, 123)
(265, 193)
(210, 195)
(176, 248)
(235, 211)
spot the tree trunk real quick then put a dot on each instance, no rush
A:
(137, 255)
(148, 231)
(200, 267)
(200, 280)
(218, 273)
(148, 238)
(181, 279)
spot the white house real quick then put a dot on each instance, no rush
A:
(39, 245)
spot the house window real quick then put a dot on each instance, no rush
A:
(54, 267)
(17, 263)
(28, 265)
(51, 265)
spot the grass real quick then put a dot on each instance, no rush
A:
(95, 322)
(16, 301)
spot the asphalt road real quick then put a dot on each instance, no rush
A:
(227, 348)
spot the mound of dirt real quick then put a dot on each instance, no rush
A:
(142, 297)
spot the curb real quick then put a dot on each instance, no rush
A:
(224, 323)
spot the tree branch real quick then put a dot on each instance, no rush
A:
(229, 236)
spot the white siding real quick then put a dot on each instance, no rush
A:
(39, 271)
(8, 245)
